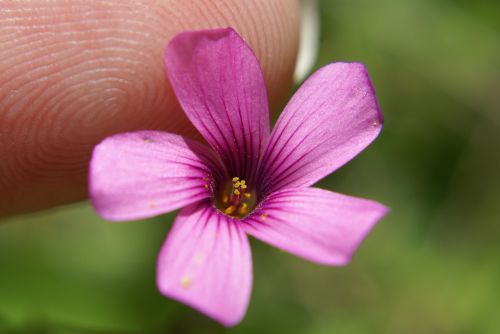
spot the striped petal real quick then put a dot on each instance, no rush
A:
(315, 224)
(146, 173)
(206, 263)
(330, 119)
(219, 83)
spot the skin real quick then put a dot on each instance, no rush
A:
(75, 72)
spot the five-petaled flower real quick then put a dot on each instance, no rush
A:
(250, 181)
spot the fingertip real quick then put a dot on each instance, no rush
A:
(77, 72)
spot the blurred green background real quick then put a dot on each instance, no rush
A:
(431, 266)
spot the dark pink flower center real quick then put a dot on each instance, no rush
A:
(236, 198)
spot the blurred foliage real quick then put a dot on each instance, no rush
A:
(431, 266)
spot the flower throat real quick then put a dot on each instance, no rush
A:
(236, 199)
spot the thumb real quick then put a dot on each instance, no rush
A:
(76, 72)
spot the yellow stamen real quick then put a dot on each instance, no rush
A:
(235, 200)
(243, 210)
(229, 210)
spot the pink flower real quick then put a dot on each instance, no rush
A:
(250, 181)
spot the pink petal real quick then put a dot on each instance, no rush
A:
(146, 173)
(206, 263)
(316, 224)
(331, 118)
(219, 83)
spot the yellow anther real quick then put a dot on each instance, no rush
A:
(243, 210)
(229, 210)
(206, 186)
(263, 217)
(233, 197)
(186, 282)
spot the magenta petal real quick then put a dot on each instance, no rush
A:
(316, 224)
(146, 173)
(219, 83)
(329, 120)
(206, 263)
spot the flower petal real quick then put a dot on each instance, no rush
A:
(316, 224)
(219, 83)
(142, 174)
(206, 263)
(331, 118)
